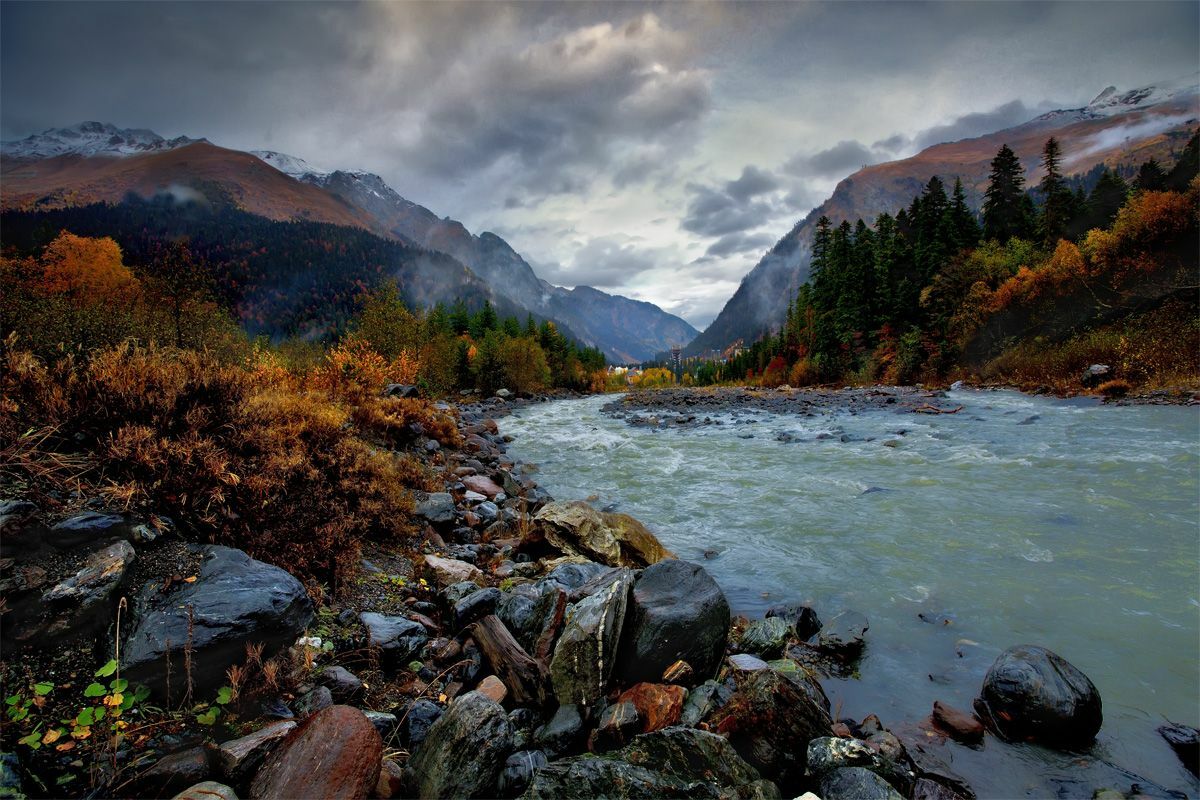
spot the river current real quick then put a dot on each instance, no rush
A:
(1019, 520)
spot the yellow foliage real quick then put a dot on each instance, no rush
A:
(86, 270)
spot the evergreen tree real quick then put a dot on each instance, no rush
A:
(1186, 168)
(1004, 211)
(1150, 177)
(963, 225)
(1105, 200)
(530, 326)
(1056, 197)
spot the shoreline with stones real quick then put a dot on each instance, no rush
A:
(519, 647)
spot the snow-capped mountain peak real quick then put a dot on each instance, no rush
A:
(1113, 101)
(289, 165)
(91, 139)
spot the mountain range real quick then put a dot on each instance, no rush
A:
(1117, 129)
(97, 162)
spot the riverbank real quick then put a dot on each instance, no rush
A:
(512, 646)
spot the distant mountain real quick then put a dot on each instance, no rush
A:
(626, 330)
(1117, 129)
(95, 162)
(91, 139)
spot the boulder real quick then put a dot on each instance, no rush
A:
(335, 753)
(207, 790)
(828, 754)
(465, 750)
(384, 722)
(436, 508)
(803, 619)
(344, 684)
(175, 773)
(401, 390)
(448, 570)
(674, 762)
(856, 783)
(577, 529)
(241, 758)
(235, 601)
(313, 701)
(562, 733)
(658, 706)
(766, 637)
(399, 638)
(587, 649)
(475, 605)
(420, 717)
(482, 484)
(676, 612)
(770, 721)
(619, 723)
(84, 601)
(1095, 375)
(526, 611)
(703, 701)
(1031, 693)
(89, 527)
(518, 772)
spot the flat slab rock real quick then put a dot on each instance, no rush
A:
(449, 571)
(335, 753)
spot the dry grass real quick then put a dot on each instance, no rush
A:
(241, 456)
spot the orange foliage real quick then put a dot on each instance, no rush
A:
(354, 370)
(775, 372)
(85, 269)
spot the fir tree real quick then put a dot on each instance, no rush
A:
(1004, 212)
(1056, 197)
(1150, 177)
(963, 225)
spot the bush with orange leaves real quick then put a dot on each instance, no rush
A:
(354, 371)
(234, 456)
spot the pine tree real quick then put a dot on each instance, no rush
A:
(1109, 194)
(964, 228)
(1150, 177)
(1004, 213)
(1186, 168)
(1056, 197)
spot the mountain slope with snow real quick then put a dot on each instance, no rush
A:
(1117, 129)
(90, 139)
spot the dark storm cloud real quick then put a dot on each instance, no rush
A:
(835, 162)
(752, 183)
(714, 212)
(733, 243)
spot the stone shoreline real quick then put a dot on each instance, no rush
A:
(520, 647)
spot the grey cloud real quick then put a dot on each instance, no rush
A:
(975, 124)
(892, 144)
(714, 212)
(838, 161)
(752, 183)
(604, 261)
(732, 243)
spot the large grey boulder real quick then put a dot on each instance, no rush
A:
(1031, 693)
(399, 638)
(465, 750)
(856, 783)
(676, 612)
(673, 762)
(587, 649)
(235, 601)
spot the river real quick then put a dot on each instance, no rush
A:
(1020, 519)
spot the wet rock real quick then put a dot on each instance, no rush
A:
(401, 390)
(844, 635)
(483, 485)
(856, 783)
(827, 754)
(766, 637)
(639, 547)
(577, 529)
(476, 605)
(1031, 693)
(658, 706)
(493, 689)
(241, 758)
(399, 638)
(14, 514)
(1185, 741)
(704, 701)
(384, 722)
(518, 772)
(344, 684)
(680, 673)
(488, 512)
(744, 662)
(175, 773)
(465, 750)
(85, 599)
(207, 790)
(586, 651)
(925, 789)
(618, 725)
(90, 526)
(436, 508)
(457, 591)
(961, 725)
(448, 570)
(421, 716)
(675, 762)
(234, 601)
(334, 753)
(676, 612)
(803, 619)
(313, 701)
(770, 722)
(562, 733)
(526, 610)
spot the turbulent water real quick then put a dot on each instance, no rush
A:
(1019, 519)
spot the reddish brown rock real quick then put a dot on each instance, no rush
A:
(335, 753)
(680, 672)
(962, 726)
(493, 688)
(391, 780)
(482, 484)
(657, 705)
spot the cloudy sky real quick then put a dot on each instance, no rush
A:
(655, 150)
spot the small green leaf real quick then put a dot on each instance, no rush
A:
(415, 666)
(18, 714)
(127, 702)
(140, 693)
(94, 690)
(63, 780)
(208, 717)
(224, 695)
(86, 718)
(12, 700)
(107, 669)
(33, 741)
(43, 688)
(118, 684)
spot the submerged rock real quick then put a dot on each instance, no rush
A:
(844, 635)
(1185, 741)
(676, 612)
(766, 637)
(1031, 693)
(803, 619)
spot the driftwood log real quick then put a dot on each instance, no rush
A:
(527, 678)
